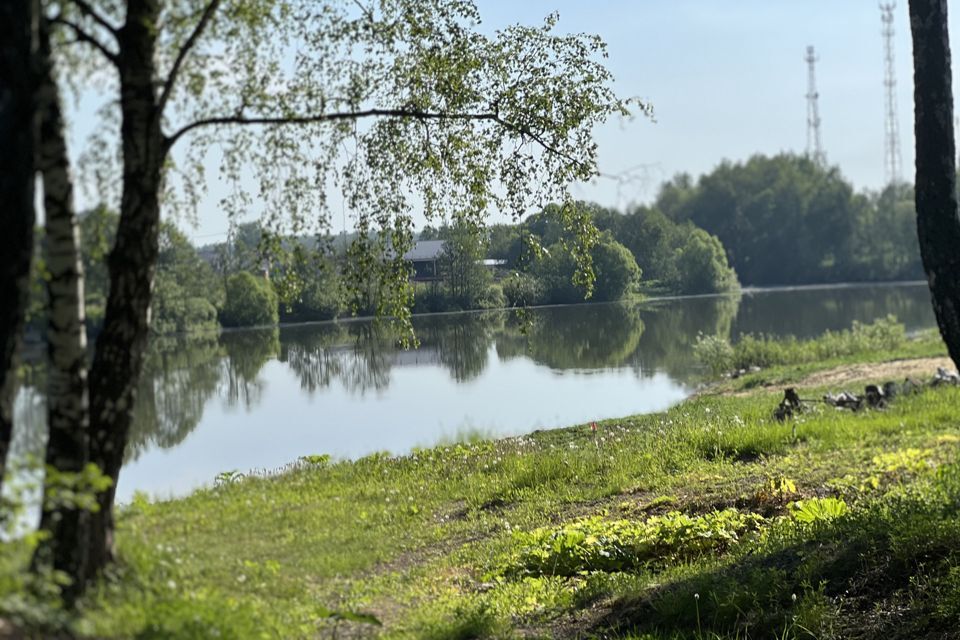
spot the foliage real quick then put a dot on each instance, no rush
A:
(615, 270)
(187, 292)
(465, 278)
(786, 220)
(595, 544)
(816, 510)
(782, 220)
(250, 301)
(715, 352)
(315, 288)
(186, 296)
(615, 273)
(74, 490)
(701, 265)
(522, 290)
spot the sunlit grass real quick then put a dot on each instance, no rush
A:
(429, 543)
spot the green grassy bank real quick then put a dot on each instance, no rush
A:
(711, 520)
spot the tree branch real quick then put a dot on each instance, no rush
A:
(86, 9)
(205, 18)
(83, 36)
(415, 114)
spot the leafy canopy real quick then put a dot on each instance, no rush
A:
(396, 104)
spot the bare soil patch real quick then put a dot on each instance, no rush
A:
(921, 369)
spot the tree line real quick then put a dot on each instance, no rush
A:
(780, 220)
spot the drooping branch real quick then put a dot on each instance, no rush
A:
(206, 16)
(87, 10)
(83, 36)
(415, 114)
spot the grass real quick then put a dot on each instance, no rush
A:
(710, 520)
(861, 341)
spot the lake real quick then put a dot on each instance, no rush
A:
(259, 399)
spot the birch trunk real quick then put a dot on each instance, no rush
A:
(17, 131)
(67, 406)
(938, 221)
(118, 358)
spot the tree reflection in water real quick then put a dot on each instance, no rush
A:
(247, 351)
(593, 336)
(182, 375)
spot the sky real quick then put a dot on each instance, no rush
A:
(726, 80)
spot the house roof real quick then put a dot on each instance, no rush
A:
(425, 250)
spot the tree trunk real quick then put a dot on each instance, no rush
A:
(118, 358)
(67, 408)
(17, 130)
(938, 222)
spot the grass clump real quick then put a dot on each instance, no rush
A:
(719, 355)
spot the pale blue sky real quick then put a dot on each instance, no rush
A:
(727, 80)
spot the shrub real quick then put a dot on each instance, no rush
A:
(715, 352)
(701, 265)
(615, 268)
(594, 544)
(522, 290)
(251, 301)
(320, 300)
(492, 297)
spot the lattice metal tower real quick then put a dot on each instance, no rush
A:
(891, 150)
(814, 146)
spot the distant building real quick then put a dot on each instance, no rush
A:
(424, 257)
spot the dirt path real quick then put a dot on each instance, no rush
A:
(921, 369)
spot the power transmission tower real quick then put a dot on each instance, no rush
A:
(891, 151)
(814, 146)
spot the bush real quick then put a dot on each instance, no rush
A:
(522, 290)
(174, 311)
(319, 300)
(701, 265)
(714, 352)
(614, 266)
(492, 297)
(251, 301)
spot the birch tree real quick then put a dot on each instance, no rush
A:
(68, 418)
(394, 104)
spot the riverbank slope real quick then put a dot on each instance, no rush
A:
(710, 520)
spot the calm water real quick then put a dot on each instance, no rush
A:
(260, 399)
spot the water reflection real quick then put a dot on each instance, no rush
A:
(584, 337)
(266, 396)
(180, 377)
(247, 352)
